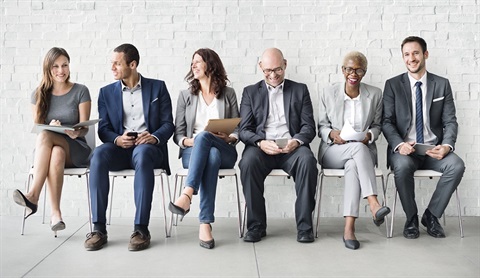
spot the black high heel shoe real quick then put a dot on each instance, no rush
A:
(60, 225)
(208, 244)
(20, 199)
(178, 210)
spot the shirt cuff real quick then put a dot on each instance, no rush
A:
(115, 141)
(396, 148)
(299, 141)
(158, 140)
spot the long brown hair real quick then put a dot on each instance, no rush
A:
(43, 93)
(215, 70)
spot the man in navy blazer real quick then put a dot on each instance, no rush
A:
(432, 121)
(136, 123)
(272, 109)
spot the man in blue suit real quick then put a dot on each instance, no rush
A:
(418, 107)
(277, 108)
(136, 124)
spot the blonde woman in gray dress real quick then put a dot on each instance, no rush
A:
(56, 101)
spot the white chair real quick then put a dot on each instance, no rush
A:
(275, 173)
(90, 138)
(340, 173)
(131, 173)
(425, 174)
(182, 173)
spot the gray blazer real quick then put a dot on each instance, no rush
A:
(331, 110)
(187, 112)
(397, 110)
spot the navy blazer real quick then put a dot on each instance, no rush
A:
(298, 112)
(157, 109)
(397, 110)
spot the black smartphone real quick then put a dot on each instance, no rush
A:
(132, 133)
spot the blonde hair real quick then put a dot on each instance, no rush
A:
(357, 57)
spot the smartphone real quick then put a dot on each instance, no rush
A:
(132, 133)
(281, 142)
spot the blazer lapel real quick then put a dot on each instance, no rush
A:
(146, 95)
(365, 100)
(407, 91)
(287, 98)
(118, 101)
(430, 89)
(265, 102)
(339, 104)
(221, 106)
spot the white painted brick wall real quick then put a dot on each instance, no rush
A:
(314, 36)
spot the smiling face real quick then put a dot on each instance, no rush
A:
(273, 66)
(414, 58)
(351, 70)
(60, 69)
(120, 69)
(199, 67)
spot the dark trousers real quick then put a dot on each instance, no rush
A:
(404, 166)
(255, 166)
(108, 157)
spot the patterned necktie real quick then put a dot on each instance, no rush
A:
(419, 112)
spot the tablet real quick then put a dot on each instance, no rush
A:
(226, 126)
(422, 148)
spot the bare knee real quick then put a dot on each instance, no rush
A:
(58, 157)
(44, 138)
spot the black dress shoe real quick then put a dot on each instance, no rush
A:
(254, 235)
(305, 236)
(380, 215)
(20, 199)
(411, 228)
(434, 228)
(351, 243)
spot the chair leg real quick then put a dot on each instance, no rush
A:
(460, 221)
(384, 202)
(167, 234)
(89, 205)
(393, 208)
(240, 228)
(319, 203)
(109, 221)
(22, 229)
(171, 214)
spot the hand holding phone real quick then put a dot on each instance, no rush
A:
(132, 133)
(281, 142)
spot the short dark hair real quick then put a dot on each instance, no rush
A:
(130, 52)
(418, 40)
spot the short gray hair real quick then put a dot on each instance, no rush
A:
(356, 56)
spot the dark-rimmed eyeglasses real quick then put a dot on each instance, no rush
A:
(278, 70)
(359, 71)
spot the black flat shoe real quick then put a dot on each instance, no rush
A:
(208, 244)
(380, 215)
(351, 243)
(20, 199)
(179, 210)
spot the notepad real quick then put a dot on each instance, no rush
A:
(61, 128)
(226, 126)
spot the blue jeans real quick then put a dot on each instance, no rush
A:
(208, 155)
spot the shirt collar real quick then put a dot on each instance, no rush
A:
(423, 79)
(136, 87)
(270, 88)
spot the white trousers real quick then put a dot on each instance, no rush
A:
(358, 162)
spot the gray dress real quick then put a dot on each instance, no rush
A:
(65, 109)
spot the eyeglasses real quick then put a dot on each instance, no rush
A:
(359, 72)
(278, 70)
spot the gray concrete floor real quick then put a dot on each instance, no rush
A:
(39, 254)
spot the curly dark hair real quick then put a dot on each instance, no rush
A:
(215, 70)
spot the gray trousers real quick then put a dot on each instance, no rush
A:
(404, 166)
(357, 160)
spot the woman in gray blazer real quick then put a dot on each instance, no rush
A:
(352, 104)
(202, 152)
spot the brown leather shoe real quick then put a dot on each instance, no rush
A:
(139, 241)
(95, 241)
